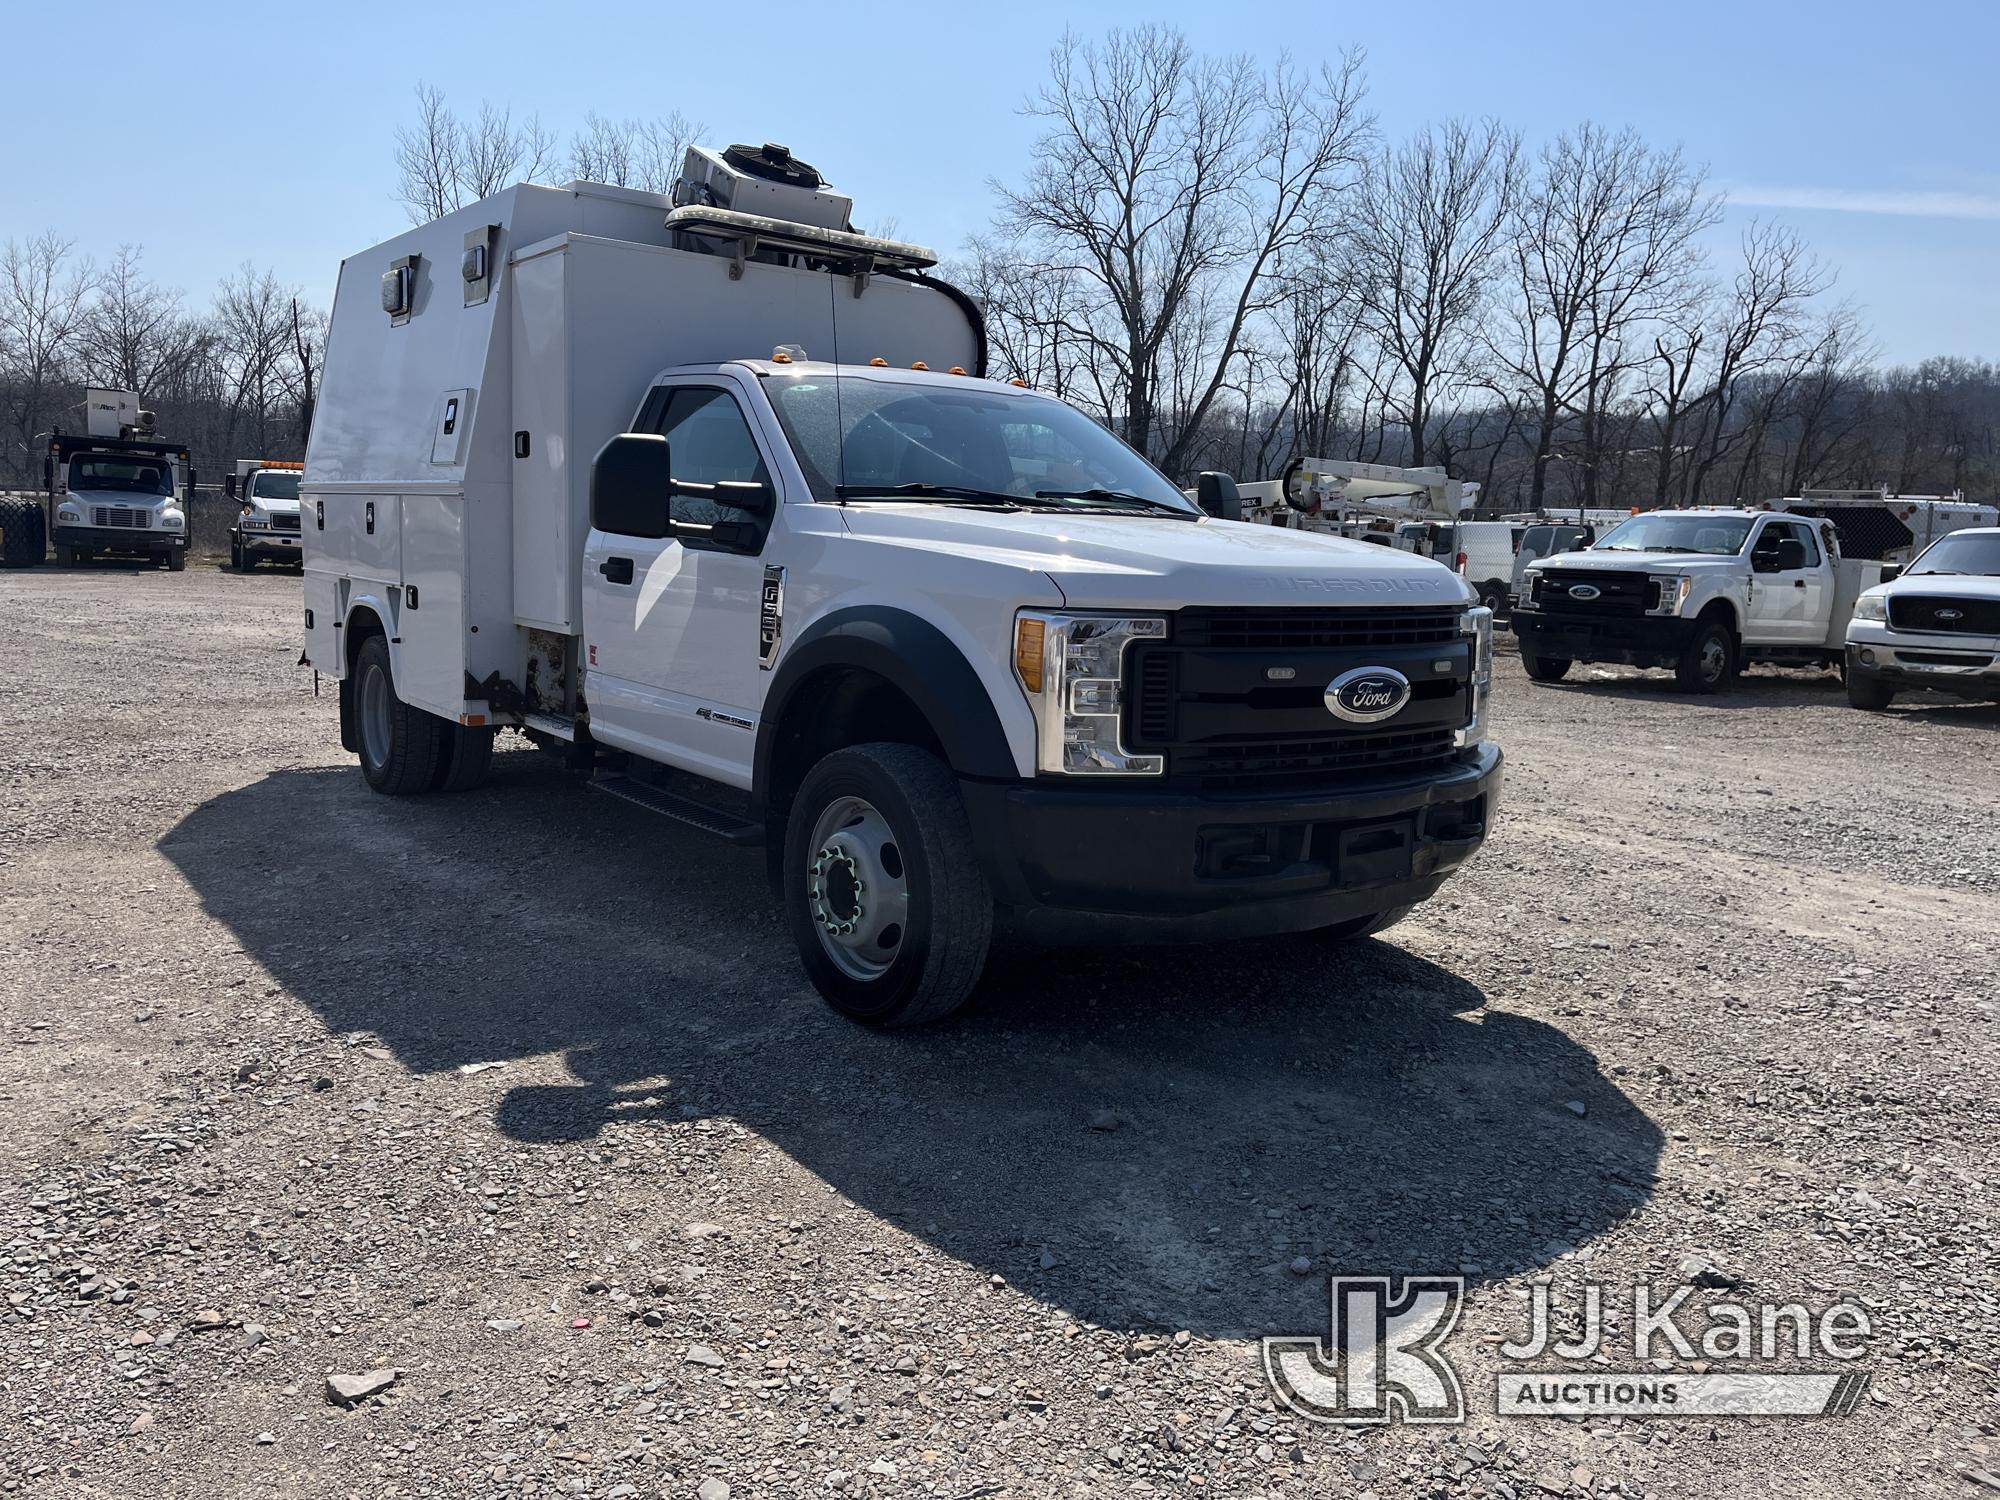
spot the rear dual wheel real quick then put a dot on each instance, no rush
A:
(403, 749)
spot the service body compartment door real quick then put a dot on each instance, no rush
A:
(322, 614)
(544, 539)
(430, 623)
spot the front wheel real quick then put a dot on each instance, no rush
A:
(399, 744)
(66, 555)
(1545, 668)
(1494, 597)
(882, 890)
(177, 561)
(1871, 693)
(1707, 659)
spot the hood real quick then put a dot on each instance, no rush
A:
(271, 505)
(1941, 585)
(1592, 560)
(117, 497)
(1116, 562)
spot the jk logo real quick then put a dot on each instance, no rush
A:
(1381, 1361)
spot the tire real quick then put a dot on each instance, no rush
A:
(1494, 597)
(67, 556)
(1545, 668)
(237, 560)
(24, 534)
(877, 834)
(465, 754)
(398, 744)
(1708, 661)
(177, 560)
(1869, 692)
(1356, 928)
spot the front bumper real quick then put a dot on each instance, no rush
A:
(1966, 666)
(119, 539)
(285, 544)
(1098, 864)
(1634, 640)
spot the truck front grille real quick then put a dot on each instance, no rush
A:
(285, 523)
(1947, 616)
(119, 515)
(1592, 594)
(1256, 765)
(1235, 698)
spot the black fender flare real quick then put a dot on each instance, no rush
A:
(914, 657)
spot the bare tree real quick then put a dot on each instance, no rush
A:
(1427, 242)
(44, 302)
(253, 324)
(644, 154)
(136, 335)
(1171, 185)
(1601, 239)
(444, 162)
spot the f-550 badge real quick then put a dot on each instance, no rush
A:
(771, 617)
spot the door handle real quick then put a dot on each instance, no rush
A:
(617, 569)
(1798, 583)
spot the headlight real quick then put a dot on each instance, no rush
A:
(68, 513)
(1072, 668)
(1872, 607)
(1531, 587)
(1478, 624)
(1673, 589)
(172, 520)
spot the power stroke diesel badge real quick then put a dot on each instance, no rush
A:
(1367, 695)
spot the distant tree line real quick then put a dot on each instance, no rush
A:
(1223, 262)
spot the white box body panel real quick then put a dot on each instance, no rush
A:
(587, 301)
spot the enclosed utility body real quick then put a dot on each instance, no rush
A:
(708, 493)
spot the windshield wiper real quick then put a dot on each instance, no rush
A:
(957, 493)
(1119, 497)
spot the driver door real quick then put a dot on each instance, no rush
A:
(671, 623)
(1785, 603)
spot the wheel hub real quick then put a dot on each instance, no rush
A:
(857, 890)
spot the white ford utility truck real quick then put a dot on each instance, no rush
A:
(113, 490)
(1705, 592)
(1936, 625)
(708, 494)
(266, 491)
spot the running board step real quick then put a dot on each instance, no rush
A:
(686, 810)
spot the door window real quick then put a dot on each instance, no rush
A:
(708, 440)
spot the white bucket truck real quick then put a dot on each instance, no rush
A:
(708, 493)
(266, 491)
(113, 490)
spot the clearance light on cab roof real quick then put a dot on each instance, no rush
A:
(1017, 380)
(956, 370)
(878, 363)
(917, 364)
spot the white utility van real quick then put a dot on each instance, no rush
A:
(710, 495)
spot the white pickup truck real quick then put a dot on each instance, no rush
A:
(1935, 626)
(266, 529)
(1705, 592)
(709, 495)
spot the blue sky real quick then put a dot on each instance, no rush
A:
(263, 133)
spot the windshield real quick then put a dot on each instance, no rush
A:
(1720, 536)
(1975, 553)
(105, 471)
(270, 484)
(900, 439)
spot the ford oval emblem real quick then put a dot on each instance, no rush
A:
(1584, 591)
(1367, 695)
(1949, 614)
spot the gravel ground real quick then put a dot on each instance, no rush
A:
(523, 1104)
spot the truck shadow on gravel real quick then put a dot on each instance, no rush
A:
(1184, 1138)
